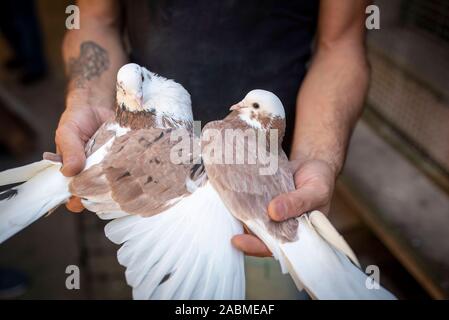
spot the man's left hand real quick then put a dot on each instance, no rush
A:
(314, 182)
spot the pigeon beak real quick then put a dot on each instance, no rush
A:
(139, 99)
(237, 106)
(135, 102)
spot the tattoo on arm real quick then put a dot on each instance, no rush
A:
(93, 60)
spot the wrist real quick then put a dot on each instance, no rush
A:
(333, 159)
(90, 98)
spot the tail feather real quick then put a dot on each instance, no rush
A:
(325, 272)
(45, 188)
(326, 230)
(24, 173)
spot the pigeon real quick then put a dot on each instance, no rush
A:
(309, 247)
(174, 229)
(174, 220)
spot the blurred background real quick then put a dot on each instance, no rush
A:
(391, 203)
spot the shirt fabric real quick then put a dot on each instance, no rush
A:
(221, 49)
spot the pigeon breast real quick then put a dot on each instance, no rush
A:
(243, 189)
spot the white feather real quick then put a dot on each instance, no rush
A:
(117, 129)
(324, 271)
(43, 192)
(182, 253)
(111, 215)
(254, 123)
(326, 230)
(45, 189)
(23, 173)
(98, 155)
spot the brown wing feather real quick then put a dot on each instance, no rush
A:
(244, 190)
(101, 136)
(137, 174)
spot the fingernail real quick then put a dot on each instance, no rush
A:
(280, 209)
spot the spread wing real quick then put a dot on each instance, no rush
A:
(247, 192)
(136, 176)
(183, 253)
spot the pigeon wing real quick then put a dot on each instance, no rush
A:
(136, 176)
(183, 253)
(245, 191)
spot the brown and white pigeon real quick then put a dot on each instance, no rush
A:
(173, 226)
(174, 229)
(309, 248)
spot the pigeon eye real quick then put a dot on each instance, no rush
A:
(256, 105)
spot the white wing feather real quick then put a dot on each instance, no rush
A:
(23, 173)
(183, 253)
(31, 200)
(44, 189)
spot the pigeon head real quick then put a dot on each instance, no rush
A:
(140, 90)
(130, 87)
(259, 108)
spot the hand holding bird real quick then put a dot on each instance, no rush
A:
(174, 220)
(314, 183)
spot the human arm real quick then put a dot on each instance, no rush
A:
(92, 56)
(329, 103)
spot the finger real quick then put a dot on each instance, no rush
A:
(71, 148)
(251, 245)
(74, 204)
(298, 202)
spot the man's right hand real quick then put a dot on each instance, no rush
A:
(77, 125)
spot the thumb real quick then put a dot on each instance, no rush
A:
(71, 147)
(295, 203)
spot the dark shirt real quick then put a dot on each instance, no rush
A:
(221, 49)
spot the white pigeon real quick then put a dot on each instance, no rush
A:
(309, 247)
(175, 230)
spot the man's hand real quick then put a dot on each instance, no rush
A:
(78, 123)
(314, 181)
(76, 126)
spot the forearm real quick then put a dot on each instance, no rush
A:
(329, 103)
(92, 56)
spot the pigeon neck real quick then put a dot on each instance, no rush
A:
(134, 119)
(144, 120)
(262, 123)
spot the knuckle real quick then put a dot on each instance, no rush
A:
(61, 131)
(323, 190)
(299, 205)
